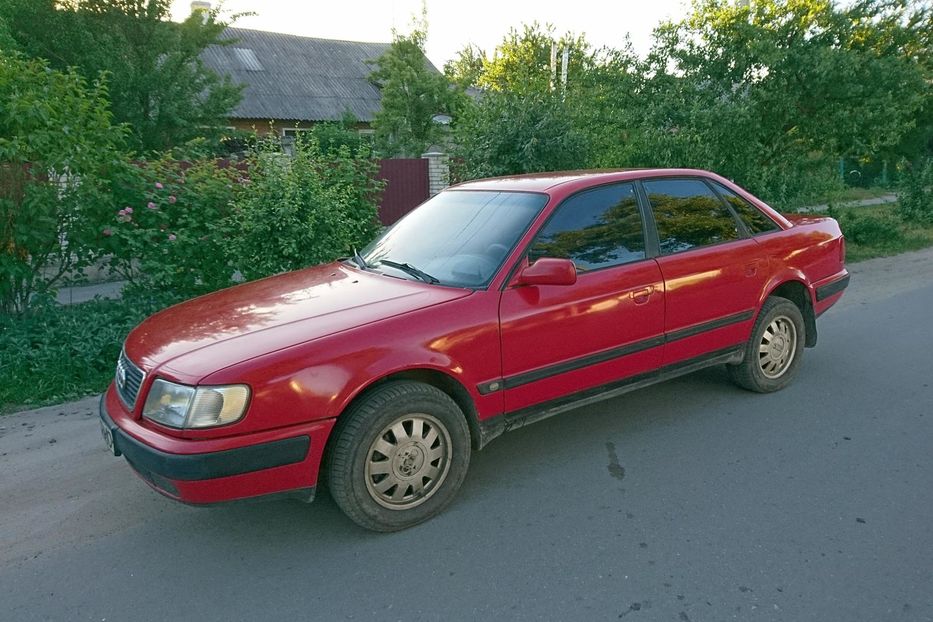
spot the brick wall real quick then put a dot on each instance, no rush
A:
(438, 171)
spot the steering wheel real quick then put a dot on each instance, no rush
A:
(473, 266)
(497, 252)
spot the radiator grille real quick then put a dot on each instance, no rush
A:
(129, 379)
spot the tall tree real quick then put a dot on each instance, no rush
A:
(413, 93)
(777, 91)
(158, 84)
(59, 154)
(522, 61)
(509, 133)
(465, 69)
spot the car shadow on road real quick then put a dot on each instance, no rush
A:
(520, 460)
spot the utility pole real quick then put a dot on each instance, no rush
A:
(553, 64)
(563, 71)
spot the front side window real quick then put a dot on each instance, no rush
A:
(688, 214)
(458, 237)
(595, 228)
(755, 221)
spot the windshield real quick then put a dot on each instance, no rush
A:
(459, 237)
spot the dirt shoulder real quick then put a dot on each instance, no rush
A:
(885, 277)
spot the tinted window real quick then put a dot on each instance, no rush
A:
(755, 221)
(596, 228)
(688, 214)
(460, 237)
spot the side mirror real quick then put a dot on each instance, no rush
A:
(548, 271)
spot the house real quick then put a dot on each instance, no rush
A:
(293, 82)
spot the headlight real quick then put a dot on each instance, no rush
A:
(181, 406)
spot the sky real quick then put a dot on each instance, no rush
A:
(453, 25)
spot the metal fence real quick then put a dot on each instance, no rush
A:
(406, 187)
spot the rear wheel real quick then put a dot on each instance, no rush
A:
(399, 456)
(774, 351)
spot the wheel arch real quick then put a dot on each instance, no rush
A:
(798, 293)
(436, 378)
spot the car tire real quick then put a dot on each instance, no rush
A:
(399, 456)
(774, 351)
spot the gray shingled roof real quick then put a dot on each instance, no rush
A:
(298, 78)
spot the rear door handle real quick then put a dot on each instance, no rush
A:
(751, 269)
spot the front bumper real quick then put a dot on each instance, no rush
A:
(217, 470)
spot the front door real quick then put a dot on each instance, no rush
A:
(558, 340)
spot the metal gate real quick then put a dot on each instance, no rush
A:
(406, 187)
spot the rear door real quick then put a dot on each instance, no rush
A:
(713, 272)
(564, 339)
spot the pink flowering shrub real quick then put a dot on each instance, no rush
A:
(171, 237)
(178, 230)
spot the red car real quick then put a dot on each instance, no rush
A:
(495, 304)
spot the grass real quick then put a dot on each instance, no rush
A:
(837, 197)
(56, 353)
(858, 194)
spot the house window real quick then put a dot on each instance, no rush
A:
(292, 132)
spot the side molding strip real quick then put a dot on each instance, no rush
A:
(825, 291)
(518, 380)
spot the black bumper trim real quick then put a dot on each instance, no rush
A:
(189, 467)
(825, 291)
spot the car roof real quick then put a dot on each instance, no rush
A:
(544, 182)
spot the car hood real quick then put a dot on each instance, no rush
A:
(206, 334)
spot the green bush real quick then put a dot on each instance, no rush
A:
(303, 210)
(915, 203)
(868, 229)
(52, 353)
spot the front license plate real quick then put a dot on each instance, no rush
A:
(108, 439)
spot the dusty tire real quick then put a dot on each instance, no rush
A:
(775, 349)
(398, 456)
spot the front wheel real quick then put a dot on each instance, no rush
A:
(399, 456)
(774, 351)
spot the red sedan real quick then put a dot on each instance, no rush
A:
(495, 304)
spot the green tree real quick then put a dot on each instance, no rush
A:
(527, 120)
(159, 86)
(509, 133)
(58, 151)
(413, 92)
(465, 69)
(522, 62)
(775, 92)
(7, 42)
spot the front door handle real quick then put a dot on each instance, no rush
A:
(641, 296)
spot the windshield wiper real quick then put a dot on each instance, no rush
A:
(358, 260)
(410, 269)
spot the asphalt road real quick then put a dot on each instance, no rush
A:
(691, 500)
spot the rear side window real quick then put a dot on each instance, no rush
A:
(596, 229)
(688, 214)
(755, 220)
